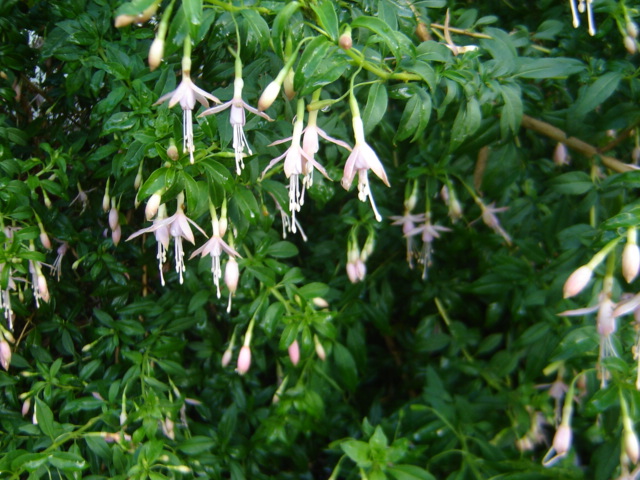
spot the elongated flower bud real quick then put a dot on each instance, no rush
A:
(630, 44)
(320, 302)
(562, 440)
(26, 405)
(5, 354)
(630, 262)
(322, 355)
(560, 155)
(632, 29)
(172, 152)
(156, 52)
(577, 281)
(231, 275)
(288, 85)
(345, 41)
(294, 352)
(106, 200)
(116, 235)
(226, 357)
(44, 239)
(124, 20)
(269, 96)
(152, 206)
(352, 272)
(113, 218)
(244, 360)
(631, 447)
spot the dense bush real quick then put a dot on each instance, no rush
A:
(434, 332)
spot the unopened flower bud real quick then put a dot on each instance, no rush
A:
(231, 275)
(244, 360)
(320, 302)
(43, 290)
(106, 201)
(172, 152)
(294, 352)
(167, 428)
(114, 220)
(631, 447)
(116, 235)
(352, 272)
(269, 96)
(577, 281)
(137, 182)
(562, 440)
(223, 224)
(560, 155)
(361, 269)
(44, 239)
(630, 44)
(156, 51)
(26, 405)
(152, 206)
(630, 262)
(288, 85)
(632, 29)
(226, 357)
(322, 355)
(5, 354)
(124, 20)
(345, 41)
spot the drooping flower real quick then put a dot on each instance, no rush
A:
(491, 220)
(214, 247)
(295, 164)
(186, 95)
(408, 223)
(176, 226)
(361, 160)
(237, 118)
(428, 233)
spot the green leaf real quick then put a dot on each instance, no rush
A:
(376, 106)
(346, 365)
(537, 68)
(155, 182)
(466, 123)
(192, 11)
(119, 122)
(281, 25)
(44, 415)
(357, 451)
(196, 445)
(321, 63)
(67, 461)
(381, 29)
(247, 203)
(378, 440)
(409, 472)
(313, 290)
(592, 96)
(572, 183)
(282, 249)
(415, 116)
(327, 18)
(512, 111)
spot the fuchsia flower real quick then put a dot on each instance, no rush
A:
(186, 95)
(428, 232)
(176, 226)
(237, 120)
(361, 160)
(407, 222)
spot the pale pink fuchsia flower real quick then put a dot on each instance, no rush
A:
(361, 160)
(561, 445)
(289, 224)
(311, 145)
(244, 360)
(5, 354)
(428, 233)
(214, 247)
(491, 220)
(38, 282)
(631, 257)
(560, 155)
(5, 297)
(226, 357)
(408, 223)
(237, 119)
(186, 95)
(176, 226)
(295, 164)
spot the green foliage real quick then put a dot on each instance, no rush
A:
(433, 350)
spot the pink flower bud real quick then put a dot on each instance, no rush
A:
(116, 235)
(632, 29)
(43, 290)
(124, 20)
(5, 354)
(113, 218)
(630, 44)
(269, 96)
(562, 440)
(172, 152)
(223, 224)
(352, 272)
(294, 352)
(44, 239)
(630, 262)
(631, 447)
(577, 281)
(226, 357)
(152, 206)
(156, 51)
(231, 275)
(560, 155)
(26, 405)
(322, 355)
(320, 302)
(288, 85)
(244, 360)
(361, 269)
(106, 201)
(345, 41)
